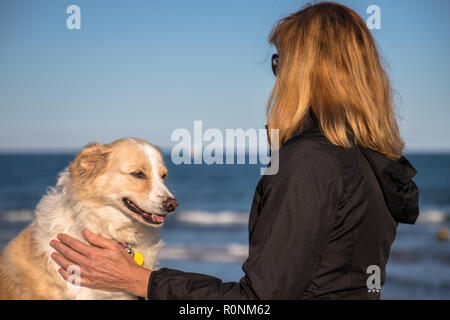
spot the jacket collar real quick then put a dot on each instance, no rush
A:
(309, 127)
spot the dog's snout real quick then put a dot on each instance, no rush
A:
(170, 204)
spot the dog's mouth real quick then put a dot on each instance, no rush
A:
(148, 217)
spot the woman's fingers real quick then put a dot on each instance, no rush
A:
(68, 252)
(59, 259)
(75, 244)
(98, 240)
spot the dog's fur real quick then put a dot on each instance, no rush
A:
(89, 195)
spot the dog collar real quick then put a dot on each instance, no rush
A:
(137, 256)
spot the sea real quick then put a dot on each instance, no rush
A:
(208, 232)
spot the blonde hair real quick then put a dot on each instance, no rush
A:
(329, 66)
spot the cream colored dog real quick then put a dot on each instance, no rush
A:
(115, 190)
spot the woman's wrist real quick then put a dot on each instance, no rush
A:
(139, 282)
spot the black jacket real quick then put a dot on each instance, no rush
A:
(314, 228)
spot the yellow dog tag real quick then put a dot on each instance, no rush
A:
(138, 258)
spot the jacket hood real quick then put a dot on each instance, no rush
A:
(400, 192)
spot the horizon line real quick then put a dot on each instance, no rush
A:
(167, 150)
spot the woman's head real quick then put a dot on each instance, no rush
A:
(329, 66)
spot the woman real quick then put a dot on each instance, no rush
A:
(342, 187)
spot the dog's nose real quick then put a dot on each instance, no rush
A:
(170, 204)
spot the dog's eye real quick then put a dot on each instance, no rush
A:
(164, 176)
(138, 174)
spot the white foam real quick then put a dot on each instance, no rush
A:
(433, 216)
(216, 218)
(199, 252)
(188, 216)
(17, 215)
(212, 218)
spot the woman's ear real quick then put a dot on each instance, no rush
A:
(90, 162)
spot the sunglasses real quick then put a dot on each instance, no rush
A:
(275, 59)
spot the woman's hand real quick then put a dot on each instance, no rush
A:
(105, 265)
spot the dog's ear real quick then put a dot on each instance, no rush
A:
(90, 162)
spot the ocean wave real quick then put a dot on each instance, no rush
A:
(221, 218)
(185, 216)
(233, 252)
(433, 216)
(206, 218)
(24, 215)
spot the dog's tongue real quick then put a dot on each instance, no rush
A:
(152, 217)
(158, 218)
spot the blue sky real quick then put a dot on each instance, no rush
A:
(145, 68)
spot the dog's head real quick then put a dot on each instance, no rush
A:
(128, 175)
